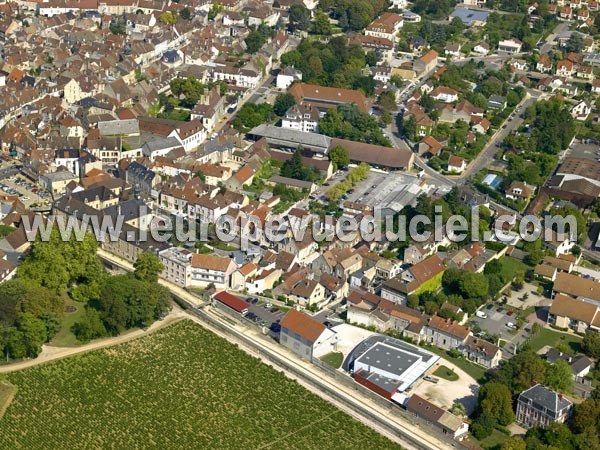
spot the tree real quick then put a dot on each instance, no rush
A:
(474, 285)
(586, 415)
(495, 400)
(339, 156)
(168, 18)
(514, 443)
(89, 327)
(321, 23)
(591, 345)
(186, 14)
(283, 102)
(299, 17)
(33, 333)
(458, 409)
(148, 267)
(559, 376)
(254, 41)
(387, 101)
(293, 167)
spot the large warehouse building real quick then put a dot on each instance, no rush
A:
(388, 366)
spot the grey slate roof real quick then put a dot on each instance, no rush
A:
(545, 399)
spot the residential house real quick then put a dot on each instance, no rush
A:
(427, 62)
(456, 164)
(453, 49)
(444, 94)
(445, 333)
(306, 336)
(540, 406)
(481, 48)
(304, 117)
(512, 45)
(286, 77)
(519, 191)
(579, 315)
(211, 269)
(581, 110)
(385, 26)
(497, 102)
(564, 68)
(481, 352)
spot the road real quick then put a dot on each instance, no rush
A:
(486, 156)
(560, 28)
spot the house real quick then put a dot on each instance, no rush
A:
(385, 26)
(307, 293)
(512, 45)
(399, 288)
(545, 271)
(544, 64)
(177, 264)
(242, 177)
(445, 333)
(497, 102)
(481, 48)
(444, 94)
(539, 406)
(211, 269)
(306, 336)
(560, 243)
(519, 191)
(427, 62)
(596, 86)
(56, 182)
(579, 315)
(449, 423)
(456, 164)
(287, 76)
(481, 352)
(481, 125)
(429, 146)
(453, 49)
(304, 117)
(581, 110)
(564, 68)
(580, 365)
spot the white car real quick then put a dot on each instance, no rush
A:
(24, 198)
(511, 325)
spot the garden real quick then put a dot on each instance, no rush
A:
(180, 387)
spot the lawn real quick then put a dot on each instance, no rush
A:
(446, 373)
(333, 359)
(475, 370)
(548, 336)
(180, 387)
(494, 441)
(65, 337)
(511, 267)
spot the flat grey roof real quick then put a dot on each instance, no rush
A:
(388, 358)
(289, 137)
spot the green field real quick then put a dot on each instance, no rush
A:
(180, 387)
(548, 336)
(334, 359)
(446, 373)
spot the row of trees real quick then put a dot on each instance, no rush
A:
(354, 177)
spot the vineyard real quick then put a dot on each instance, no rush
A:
(181, 387)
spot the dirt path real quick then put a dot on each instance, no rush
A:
(51, 353)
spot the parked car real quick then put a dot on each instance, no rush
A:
(511, 325)
(268, 305)
(510, 313)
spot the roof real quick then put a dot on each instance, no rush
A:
(212, 262)
(429, 56)
(580, 310)
(576, 286)
(304, 91)
(448, 326)
(545, 270)
(303, 325)
(544, 398)
(427, 269)
(376, 154)
(482, 346)
(232, 301)
(424, 408)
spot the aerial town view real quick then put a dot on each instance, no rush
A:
(300, 224)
